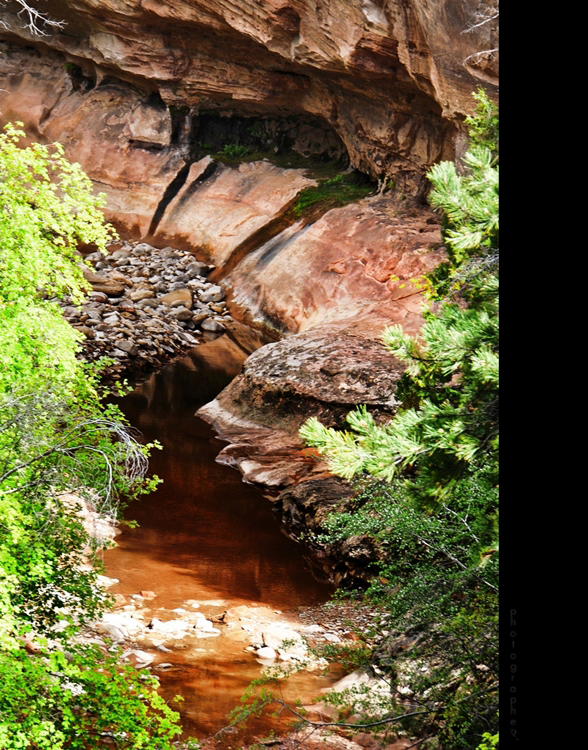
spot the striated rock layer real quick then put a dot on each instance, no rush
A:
(391, 78)
(323, 373)
(340, 279)
(351, 268)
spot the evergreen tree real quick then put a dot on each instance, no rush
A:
(449, 421)
(428, 479)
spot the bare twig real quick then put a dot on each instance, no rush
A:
(35, 20)
(481, 23)
(477, 57)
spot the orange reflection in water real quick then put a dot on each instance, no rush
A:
(205, 535)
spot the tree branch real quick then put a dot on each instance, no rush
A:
(35, 19)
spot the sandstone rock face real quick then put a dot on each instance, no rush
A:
(218, 216)
(391, 79)
(142, 92)
(338, 270)
(114, 131)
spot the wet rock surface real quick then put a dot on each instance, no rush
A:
(352, 268)
(149, 305)
(303, 509)
(221, 214)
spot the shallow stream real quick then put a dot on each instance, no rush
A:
(205, 535)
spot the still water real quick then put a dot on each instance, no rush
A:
(205, 535)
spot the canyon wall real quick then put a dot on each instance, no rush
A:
(145, 94)
(391, 78)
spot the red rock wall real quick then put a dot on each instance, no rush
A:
(393, 78)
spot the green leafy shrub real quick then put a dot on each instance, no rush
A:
(331, 193)
(59, 447)
(235, 151)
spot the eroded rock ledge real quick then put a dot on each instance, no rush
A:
(320, 373)
(392, 80)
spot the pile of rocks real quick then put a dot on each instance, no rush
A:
(148, 305)
(271, 637)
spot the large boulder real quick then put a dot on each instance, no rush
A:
(324, 373)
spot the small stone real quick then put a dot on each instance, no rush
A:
(143, 249)
(148, 302)
(99, 297)
(266, 653)
(315, 628)
(140, 294)
(182, 295)
(88, 332)
(120, 254)
(211, 325)
(188, 338)
(103, 284)
(170, 252)
(213, 294)
(143, 657)
(182, 313)
(196, 268)
(198, 317)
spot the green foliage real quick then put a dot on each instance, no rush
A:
(483, 125)
(330, 193)
(73, 69)
(235, 151)
(76, 702)
(490, 741)
(470, 203)
(438, 587)
(429, 478)
(61, 451)
(48, 207)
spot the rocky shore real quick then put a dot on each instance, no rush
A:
(148, 306)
